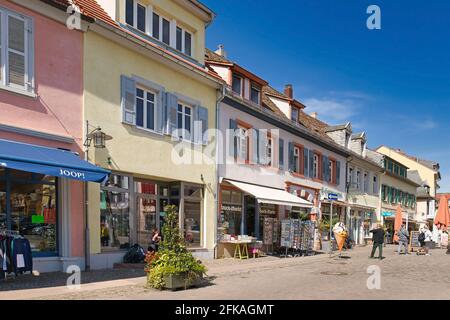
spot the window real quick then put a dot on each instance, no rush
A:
(115, 213)
(269, 151)
(294, 114)
(129, 12)
(375, 185)
(316, 166)
(184, 41)
(179, 39)
(366, 182)
(32, 209)
(237, 84)
(135, 15)
(255, 94)
(141, 13)
(297, 159)
(331, 166)
(243, 143)
(145, 109)
(358, 179)
(187, 43)
(350, 177)
(16, 51)
(396, 169)
(165, 31)
(155, 24)
(184, 114)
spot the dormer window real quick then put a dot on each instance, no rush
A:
(255, 94)
(294, 114)
(145, 19)
(237, 84)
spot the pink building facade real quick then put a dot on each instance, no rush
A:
(41, 103)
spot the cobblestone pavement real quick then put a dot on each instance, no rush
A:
(318, 277)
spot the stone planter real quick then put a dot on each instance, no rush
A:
(181, 281)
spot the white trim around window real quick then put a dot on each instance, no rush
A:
(185, 113)
(16, 53)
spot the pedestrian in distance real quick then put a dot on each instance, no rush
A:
(378, 241)
(403, 239)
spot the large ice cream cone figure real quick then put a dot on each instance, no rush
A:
(340, 234)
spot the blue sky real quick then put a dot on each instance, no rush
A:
(393, 83)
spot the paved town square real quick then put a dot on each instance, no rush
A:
(312, 278)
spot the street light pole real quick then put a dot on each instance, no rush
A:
(86, 210)
(331, 228)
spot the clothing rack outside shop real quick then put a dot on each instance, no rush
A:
(15, 254)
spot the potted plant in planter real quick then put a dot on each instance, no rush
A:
(173, 266)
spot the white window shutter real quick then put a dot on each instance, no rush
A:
(128, 100)
(171, 105)
(16, 51)
(30, 56)
(200, 125)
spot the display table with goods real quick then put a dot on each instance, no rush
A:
(237, 247)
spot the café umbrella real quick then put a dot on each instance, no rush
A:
(442, 219)
(398, 222)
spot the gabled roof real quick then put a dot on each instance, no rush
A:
(268, 90)
(347, 126)
(216, 59)
(92, 9)
(360, 135)
(433, 165)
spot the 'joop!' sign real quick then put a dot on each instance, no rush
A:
(71, 174)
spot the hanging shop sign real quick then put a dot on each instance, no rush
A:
(387, 214)
(231, 208)
(267, 209)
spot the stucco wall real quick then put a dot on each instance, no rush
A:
(58, 106)
(270, 177)
(132, 150)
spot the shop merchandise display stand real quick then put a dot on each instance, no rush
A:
(9, 233)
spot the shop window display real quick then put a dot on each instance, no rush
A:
(231, 213)
(32, 210)
(192, 223)
(115, 213)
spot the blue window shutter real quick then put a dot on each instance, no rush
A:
(306, 162)
(281, 154)
(338, 172)
(202, 116)
(170, 120)
(255, 145)
(311, 164)
(161, 100)
(291, 163)
(262, 146)
(324, 168)
(232, 138)
(128, 100)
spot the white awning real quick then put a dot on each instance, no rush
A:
(271, 195)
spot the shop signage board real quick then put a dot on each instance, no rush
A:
(387, 214)
(231, 208)
(414, 240)
(268, 231)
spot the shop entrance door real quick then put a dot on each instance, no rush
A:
(148, 219)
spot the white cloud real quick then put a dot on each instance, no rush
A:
(332, 110)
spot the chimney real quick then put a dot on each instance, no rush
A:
(289, 91)
(221, 51)
(314, 115)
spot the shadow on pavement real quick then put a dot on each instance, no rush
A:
(56, 279)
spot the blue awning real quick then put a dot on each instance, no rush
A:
(49, 161)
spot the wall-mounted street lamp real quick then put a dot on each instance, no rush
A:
(98, 137)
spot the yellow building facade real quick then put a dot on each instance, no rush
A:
(156, 103)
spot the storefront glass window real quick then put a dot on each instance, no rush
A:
(147, 220)
(192, 191)
(2, 204)
(164, 191)
(231, 213)
(115, 212)
(192, 222)
(34, 211)
(266, 211)
(145, 187)
(115, 219)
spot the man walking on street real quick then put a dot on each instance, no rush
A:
(403, 237)
(378, 240)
